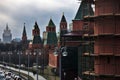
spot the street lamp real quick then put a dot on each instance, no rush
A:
(60, 52)
(55, 73)
(64, 75)
(37, 52)
(9, 53)
(3, 60)
(19, 53)
(28, 53)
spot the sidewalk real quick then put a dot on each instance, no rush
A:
(26, 72)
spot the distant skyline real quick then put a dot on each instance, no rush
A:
(17, 12)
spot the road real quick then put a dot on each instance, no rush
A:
(26, 72)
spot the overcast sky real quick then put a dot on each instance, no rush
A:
(18, 12)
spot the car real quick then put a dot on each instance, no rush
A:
(8, 75)
(17, 77)
(13, 75)
(2, 74)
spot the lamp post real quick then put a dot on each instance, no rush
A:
(37, 52)
(9, 53)
(60, 52)
(28, 53)
(19, 53)
(3, 53)
(64, 75)
(55, 73)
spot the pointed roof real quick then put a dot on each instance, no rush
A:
(63, 19)
(36, 38)
(7, 26)
(51, 38)
(24, 30)
(36, 25)
(84, 10)
(51, 23)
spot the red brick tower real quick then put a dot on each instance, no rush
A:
(36, 42)
(50, 42)
(77, 43)
(63, 25)
(63, 30)
(24, 35)
(107, 37)
(51, 37)
(85, 9)
(24, 39)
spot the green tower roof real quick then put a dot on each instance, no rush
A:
(51, 23)
(24, 30)
(84, 10)
(51, 38)
(63, 19)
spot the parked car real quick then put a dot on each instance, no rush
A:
(8, 75)
(2, 74)
(17, 77)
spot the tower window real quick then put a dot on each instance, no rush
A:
(85, 26)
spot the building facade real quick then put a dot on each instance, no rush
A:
(106, 46)
(7, 35)
(77, 43)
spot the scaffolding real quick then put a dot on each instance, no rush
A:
(106, 45)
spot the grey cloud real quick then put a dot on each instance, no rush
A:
(30, 13)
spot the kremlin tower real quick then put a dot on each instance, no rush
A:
(77, 43)
(79, 24)
(24, 35)
(63, 28)
(37, 41)
(51, 37)
(107, 36)
(24, 39)
(50, 42)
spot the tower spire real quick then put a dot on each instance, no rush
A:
(7, 26)
(51, 23)
(24, 35)
(24, 30)
(63, 19)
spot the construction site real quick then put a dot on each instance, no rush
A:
(106, 39)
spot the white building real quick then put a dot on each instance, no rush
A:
(7, 36)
